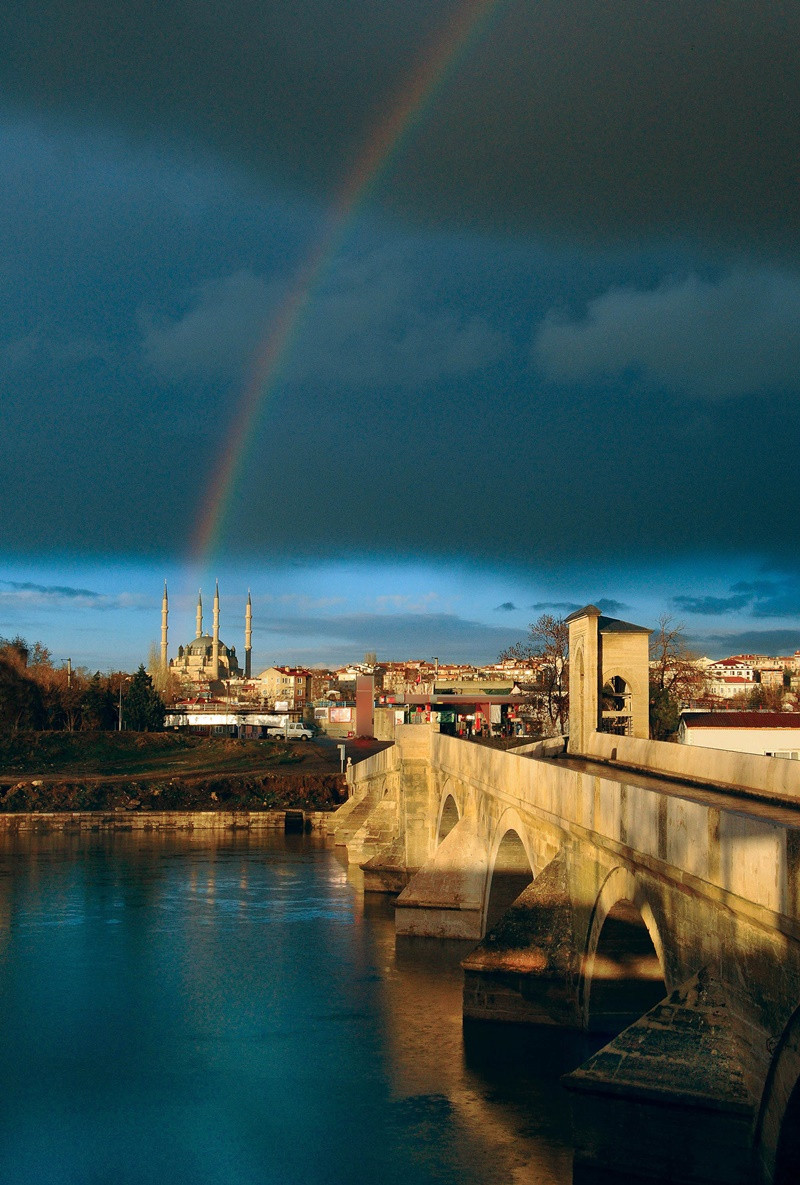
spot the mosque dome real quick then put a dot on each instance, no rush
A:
(203, 645)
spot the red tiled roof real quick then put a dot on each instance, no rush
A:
(741, 720)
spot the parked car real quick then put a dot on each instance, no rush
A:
(293, 731)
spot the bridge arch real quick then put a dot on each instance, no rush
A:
(449, 814)
(623, 967)
(778, 1128)
(511, 868)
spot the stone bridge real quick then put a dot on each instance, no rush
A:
(644, 891)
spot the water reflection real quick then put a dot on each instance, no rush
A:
(206, 1009)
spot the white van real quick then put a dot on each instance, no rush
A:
(293, 731)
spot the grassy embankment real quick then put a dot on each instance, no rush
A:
(83, 771)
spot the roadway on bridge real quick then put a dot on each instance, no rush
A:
(728, 798)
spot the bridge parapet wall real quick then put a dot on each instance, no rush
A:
(378, 766)
(765, 777)
(750, 863)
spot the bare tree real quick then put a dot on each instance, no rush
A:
(673, 666)
(20, 700)
(163, 679)
(675, 677)
(548, 643)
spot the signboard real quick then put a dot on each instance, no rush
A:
(340, 715)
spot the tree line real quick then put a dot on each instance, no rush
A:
(36, 694)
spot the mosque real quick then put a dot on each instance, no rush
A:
(206, 659)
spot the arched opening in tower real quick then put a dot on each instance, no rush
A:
(449, 818)
(787, 1161)
(512, 873)
(627, 979)
(616, 706)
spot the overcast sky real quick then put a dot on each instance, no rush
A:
(552, 354)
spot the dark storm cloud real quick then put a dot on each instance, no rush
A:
(50, 590)
(373, 323)
(53, 596)
(610, 606)
(604, 604)
(772, 642)
(152, 231)
(565, 113)
(400, 635)
(709, 340)
(213, 338)
(758, 598)
(556, 606)
(713, 606)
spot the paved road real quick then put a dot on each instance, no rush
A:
(322, 754)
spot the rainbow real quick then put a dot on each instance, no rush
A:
(388, 140)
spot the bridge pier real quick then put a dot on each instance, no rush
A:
(671, 1098)
(386, 871)
(352, 815)
(445, 898)
(525, 970)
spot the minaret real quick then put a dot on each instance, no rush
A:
(248, 636)
(164, 616)
(199, 633)
(215, 647)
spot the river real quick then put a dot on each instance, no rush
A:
(232, 1010)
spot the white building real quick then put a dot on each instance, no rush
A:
(771, 734)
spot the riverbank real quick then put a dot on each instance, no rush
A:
(42, 822)
(163, 772)
(224, 792)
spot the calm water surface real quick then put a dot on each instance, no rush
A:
(230, 1010)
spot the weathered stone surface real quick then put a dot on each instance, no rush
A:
(669, 1098)
(349, 823)
(386, 871)
(122, 820)
(377, 831)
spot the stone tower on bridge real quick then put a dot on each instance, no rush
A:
(609, 673)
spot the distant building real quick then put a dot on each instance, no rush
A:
(286, 685)
(730, 677)
(206, 660)
(772, 734)
(771, 676)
